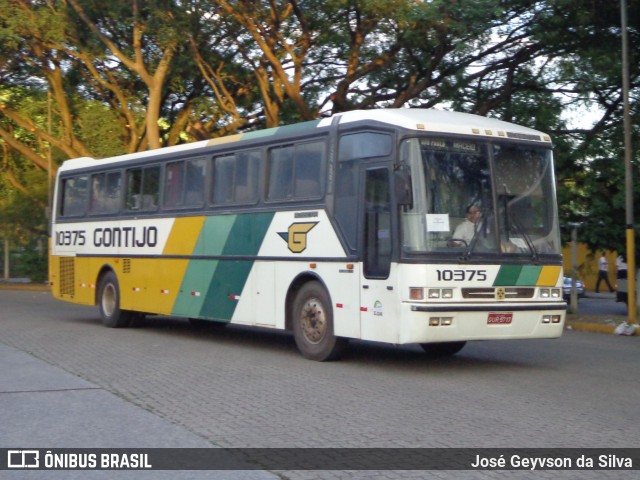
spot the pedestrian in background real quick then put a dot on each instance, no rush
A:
(603, 273)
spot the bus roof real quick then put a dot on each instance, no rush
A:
(424, 120)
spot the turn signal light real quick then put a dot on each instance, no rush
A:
(416, 293)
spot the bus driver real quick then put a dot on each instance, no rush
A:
(466, 229)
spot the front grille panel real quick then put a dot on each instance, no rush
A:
(483, 293)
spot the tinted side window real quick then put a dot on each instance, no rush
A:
(184, 184)
(295, 171)
(105, 192)
(74, 196)
(308, 170)
(143, 187)
(235, 178)
(195, 172)
(223, 173)
(377, 224)
(174, 184)
(280, 173)
(365, 145)
(346, 211)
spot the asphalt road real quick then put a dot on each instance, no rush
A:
(238, 387)
(603, 303)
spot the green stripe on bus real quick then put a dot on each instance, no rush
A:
(507, 275)
(529, 275)
(199, 274)
(517, 275)
(230, 276)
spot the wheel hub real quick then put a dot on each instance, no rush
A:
(109, 300)
(314, 322)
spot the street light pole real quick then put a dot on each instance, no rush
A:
(628, 172)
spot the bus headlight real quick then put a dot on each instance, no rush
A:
(421, 294)
(551, 319)
(550, 293)
(440, 321)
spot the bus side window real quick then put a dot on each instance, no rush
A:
(74, 196)
(308, 166)
(143, 186)
(295, 171)
(97, 193)
(346, 209)
(377, 224)
(194, 184)
(280, 173)
(105, 192)
(235, 178)
(247, 172)
(365, 145)
(223, 179)
(150, 188)
(174, 184)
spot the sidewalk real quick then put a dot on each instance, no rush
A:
(44, 407)
(47, 408)
(612, 314)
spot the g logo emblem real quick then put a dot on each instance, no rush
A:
(296, 236)
(500, 294)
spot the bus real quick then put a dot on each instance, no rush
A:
(334, 229)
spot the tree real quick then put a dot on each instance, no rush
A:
(88, 78)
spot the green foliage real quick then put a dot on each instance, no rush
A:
(123, 73)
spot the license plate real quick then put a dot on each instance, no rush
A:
(500, 318)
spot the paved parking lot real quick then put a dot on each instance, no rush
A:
(236, 387)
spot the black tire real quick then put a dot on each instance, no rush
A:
(109, 303)
(312, 317)
(445, 349)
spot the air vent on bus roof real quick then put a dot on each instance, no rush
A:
(523, 136)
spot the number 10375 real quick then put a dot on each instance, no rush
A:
(459, 275)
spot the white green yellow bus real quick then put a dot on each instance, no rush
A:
(333, 229)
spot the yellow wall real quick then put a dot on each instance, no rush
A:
(587, 263)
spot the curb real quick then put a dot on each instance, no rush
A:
(591, 327)
(35, 287)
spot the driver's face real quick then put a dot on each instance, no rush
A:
(473, 214)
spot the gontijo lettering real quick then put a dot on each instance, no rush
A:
(125, 237)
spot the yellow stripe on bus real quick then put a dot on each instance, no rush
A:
(549, 276)
(184, 236)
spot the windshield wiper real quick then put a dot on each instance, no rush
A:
(519, 228)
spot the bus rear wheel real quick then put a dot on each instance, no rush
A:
(444, 349)
(313, 324)
(109, 303)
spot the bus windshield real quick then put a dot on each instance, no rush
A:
(473, 197)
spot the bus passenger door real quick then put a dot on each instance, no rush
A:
(378, 295)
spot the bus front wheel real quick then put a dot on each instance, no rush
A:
(109, 303)
(313, 324)
(444, 349)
